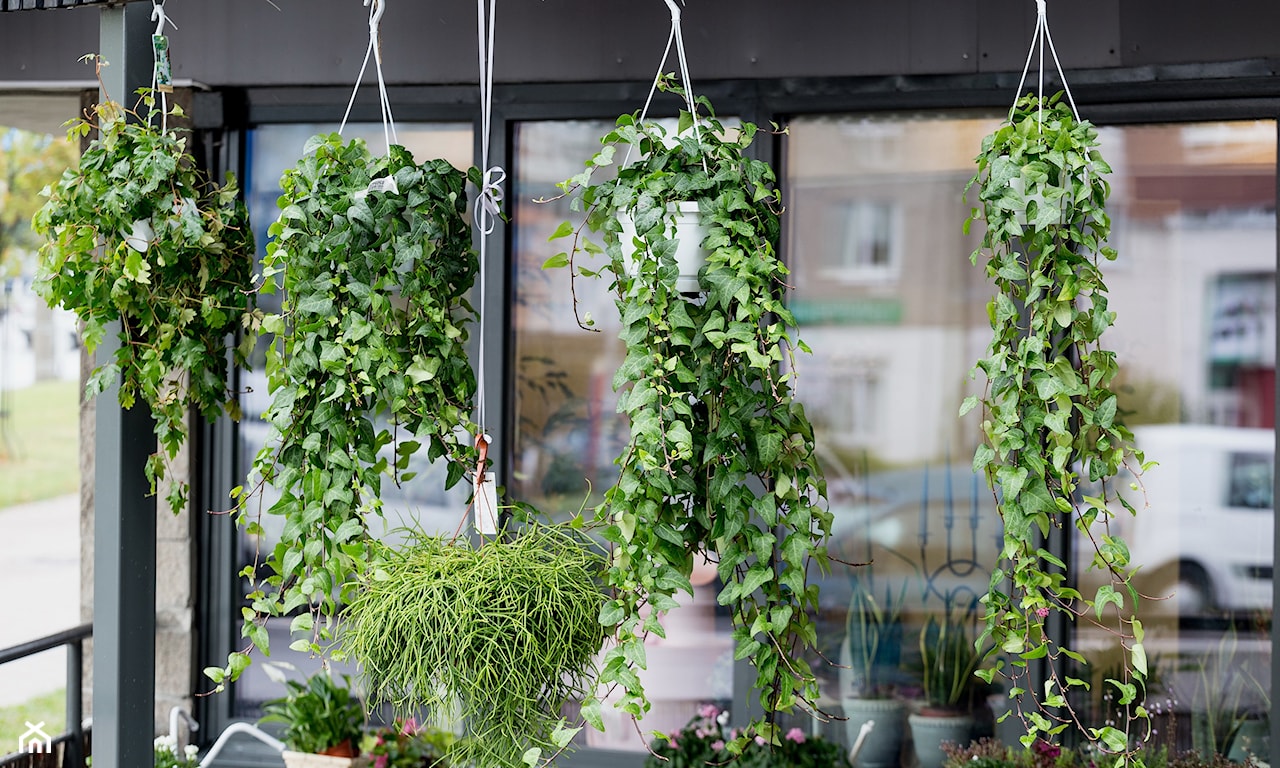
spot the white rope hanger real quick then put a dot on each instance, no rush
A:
(1039, 38)
(376, 9)
(675, 37)
(486, 211)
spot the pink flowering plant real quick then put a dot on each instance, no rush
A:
(705, 742)
(405, 744)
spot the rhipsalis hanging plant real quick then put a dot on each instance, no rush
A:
(720, 462)
(368, 364)
(501, 636)
(1049, 417)
(136, 234)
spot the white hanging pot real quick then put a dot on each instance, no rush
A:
(139, 237)
(690, 256)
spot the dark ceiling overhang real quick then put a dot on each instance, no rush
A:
(45, 5)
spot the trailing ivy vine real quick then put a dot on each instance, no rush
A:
(1049, 415)
(720, 461)
(367, 365)
(137, 234)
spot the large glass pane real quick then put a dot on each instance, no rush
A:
(895, 313)
(1194, 295)
(421, 502)
(568, 430)
(885, 295)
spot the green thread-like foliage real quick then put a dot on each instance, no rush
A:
(368, 354)
(720, 463)
(136, 234)
(1049, 418)
(502, 635)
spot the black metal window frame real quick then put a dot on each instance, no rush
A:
(1123, 96)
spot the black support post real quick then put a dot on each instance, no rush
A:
(124, 513)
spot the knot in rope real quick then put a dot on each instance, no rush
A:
(489, 208)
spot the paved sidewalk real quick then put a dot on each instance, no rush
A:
(39, 590)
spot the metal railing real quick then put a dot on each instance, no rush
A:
(68, 749)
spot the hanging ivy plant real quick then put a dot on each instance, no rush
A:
(502, 636)
(137, 235)
(1049, 415)
(720, 461)
(368, 363)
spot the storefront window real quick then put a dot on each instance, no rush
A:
(420, 503)
(1194, 210)
(887, 298)
(568, 431)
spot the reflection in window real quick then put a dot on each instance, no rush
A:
(1194, 293)
(421, 502)
(568, 430)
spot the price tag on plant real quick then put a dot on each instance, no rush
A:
(486, 505)
(163, 72)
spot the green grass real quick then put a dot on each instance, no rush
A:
(41, 457)
(50, 708)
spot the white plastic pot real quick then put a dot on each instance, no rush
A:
(309, 760)
(689, 254)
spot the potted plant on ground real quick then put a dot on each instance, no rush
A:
(949, 660)
(323, 722)
(869, 656)
(720, 462)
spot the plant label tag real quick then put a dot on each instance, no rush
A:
(486, 506)
(386, 185)
(163, 72)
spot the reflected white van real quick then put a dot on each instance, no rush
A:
(1206, 539)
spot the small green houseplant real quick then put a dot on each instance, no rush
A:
(949, 661)
(869, 656)
(1048, 414)
(720, 462)
(320, 717)
(136, 234)
(505, 634)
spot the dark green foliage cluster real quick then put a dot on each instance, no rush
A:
(368, 363)
(136, 234)
(317, 715)
(704, 742)
(503, 635)
(720, 463)
(1049, 415)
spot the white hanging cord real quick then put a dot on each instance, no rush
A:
(160, 18)
(1038, 40)
(487, 208)
(376, 8)
(677, 37)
